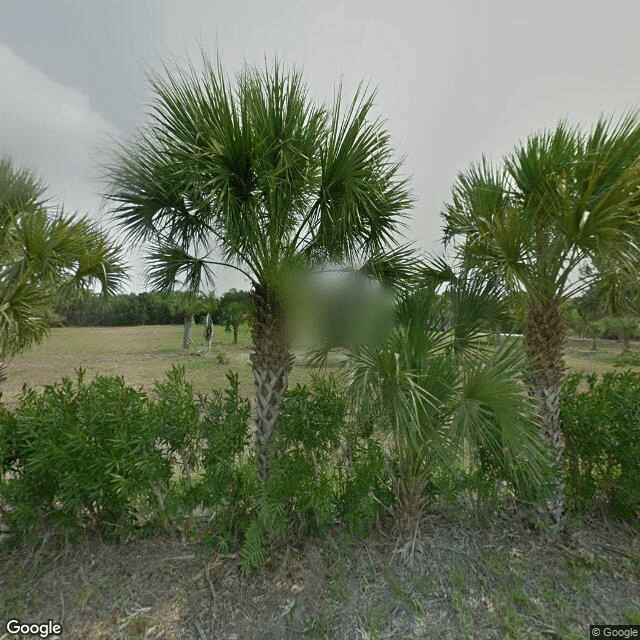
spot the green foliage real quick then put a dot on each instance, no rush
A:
(596, 329)
(119, 310)
(225, 433)
(302, 472)
(559, 197)
(82, 456)
(239, 300)
(446, 399)
(628, 358)
(105, 457)
(324, 470)
(624, 328)
(176, 416)
(252, 167)
(44, 253)
(571, 315)
(602, 427)
(189, 303)
(234, 314)
(130, 309)
(252, 173)
(222, 357)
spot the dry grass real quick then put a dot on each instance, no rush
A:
(579, 355)
(141, 355)
(466, 581)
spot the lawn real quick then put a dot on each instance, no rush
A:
(141, 355)
(579, 355)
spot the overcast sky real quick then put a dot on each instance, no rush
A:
(455, 78)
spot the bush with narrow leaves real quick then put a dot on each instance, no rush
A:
(629, 358)
(324, 470)
(81, 456)
(103, 456)
(602, 430)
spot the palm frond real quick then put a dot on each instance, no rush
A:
(494, 413)
(171, 267)
(394, 268)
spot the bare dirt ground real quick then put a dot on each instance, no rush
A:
(463, 580)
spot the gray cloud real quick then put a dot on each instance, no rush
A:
(456, 78)
(53, 128)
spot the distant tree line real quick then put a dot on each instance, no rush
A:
(119, 310)
(130, 309)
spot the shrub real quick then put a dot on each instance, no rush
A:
(602, 429)
(222, 357)
(627, 359)
(227, 481)
(176, 416)
(81, 456)
(110, 458)
(324, 470)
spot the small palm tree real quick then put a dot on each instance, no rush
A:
(617, 288)
(596, 328)
(623, 327)
(562, 197)
(441, 389)
(45, 253)
(188, 304)
(235, 314)
(253, 171)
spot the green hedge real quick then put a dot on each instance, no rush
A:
(102, 456)
(601, 421)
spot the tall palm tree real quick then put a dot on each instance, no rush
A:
(44, 253)
(561, 198)
(250, 172)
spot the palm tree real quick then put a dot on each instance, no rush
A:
(253, 174)
(562, 197)
(234, 310)
(188, 304)
(45, 253)
(442, 390)
(233, 315)
(617, 288)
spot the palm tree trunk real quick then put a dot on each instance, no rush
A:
(626, 342)
(272, 361)
(186, 334)
(235, 333)
(544, 338)
(208, 331)
(3, 372)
